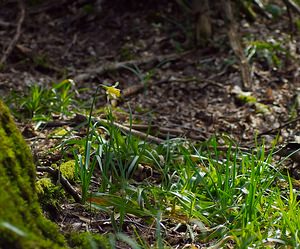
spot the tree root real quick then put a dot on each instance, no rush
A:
(236, 45)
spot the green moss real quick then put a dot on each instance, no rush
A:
(261, 108)
(67, 169)
(20, 210)
(43, 185)
(49, 194)
(50, 197)
(58, 133)
(22, 224)
(245, 98)
(88, 241)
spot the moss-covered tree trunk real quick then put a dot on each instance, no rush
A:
(22, 224)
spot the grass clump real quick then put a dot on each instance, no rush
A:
(214, 191)
(38, 102)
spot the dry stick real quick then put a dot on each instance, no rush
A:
(144, 127)
(236, 44)
(64, 182)
(142, 135)
(279, 128)
(111, 66)
(161, 132)
(17, 35)
(136, 129)
(6, 24)
(292, 5)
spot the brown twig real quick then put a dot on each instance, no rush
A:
(139, 130)
(124, 128)
(140, 134)
(6, 24)
(15, 39)
(236, 44)
(291, 4)
(145, 127)
(168, 132)
(64, 182)
(161, 132)
(277, 129)
(112, 66)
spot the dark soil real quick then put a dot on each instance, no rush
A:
(65, 39)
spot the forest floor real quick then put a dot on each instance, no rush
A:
(187, 91)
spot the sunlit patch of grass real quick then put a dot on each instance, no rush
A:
(211, 193)
(38, 102)
(217, 192)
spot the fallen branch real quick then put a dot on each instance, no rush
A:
(64, 182)
(147, 137)
(291, 4)
(139, 130)
(6, 24)
(236, 45)
(168, 132)
(277, 129)
(161, 132)
(139, 134)
(290, 150)
(145, 127)
(112, 66)
(15, 39)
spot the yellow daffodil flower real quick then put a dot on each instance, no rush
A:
(112, 92)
